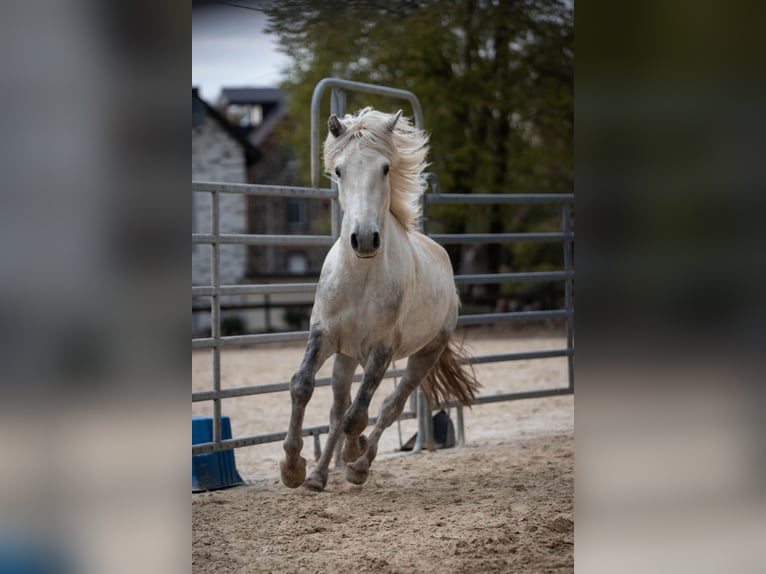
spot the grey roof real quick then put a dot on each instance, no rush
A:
(201, 111)
(245, 96)
(272, 100)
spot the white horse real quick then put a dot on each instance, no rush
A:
(385, 292)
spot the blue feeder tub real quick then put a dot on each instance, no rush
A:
(214, 470)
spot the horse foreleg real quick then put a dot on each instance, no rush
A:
(418, 367)
(357, 416)
(342, 375)
(293, 467)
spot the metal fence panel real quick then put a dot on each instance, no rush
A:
(418, 408)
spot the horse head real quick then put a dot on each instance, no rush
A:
(361, 168)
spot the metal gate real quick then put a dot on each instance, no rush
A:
(418, 407)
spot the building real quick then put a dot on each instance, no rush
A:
(238, 142)
(220, 153)
(262, 111)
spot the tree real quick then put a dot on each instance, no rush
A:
(496, 81)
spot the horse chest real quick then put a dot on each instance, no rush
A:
(356, 313)
(363, 302)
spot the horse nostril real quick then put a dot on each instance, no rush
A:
(376, 240)
(354, 242)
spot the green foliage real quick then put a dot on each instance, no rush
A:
(495, 79)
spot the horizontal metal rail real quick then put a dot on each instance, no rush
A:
(443, 238)
(238, 340)
(485, 318)
(227, 444)
(526, 356)
(270, 288)
(267, 306)
(508, 277)
(264, 190)
(432, 198)
(391, 373)
(463, 320)
(518, 395)
(513, 198)
(263, 289)
(452, 238)
(242, 239)
(277, 387)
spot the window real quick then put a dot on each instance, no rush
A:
(296, 213)
(256, 115)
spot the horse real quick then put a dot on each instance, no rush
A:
(385, 292)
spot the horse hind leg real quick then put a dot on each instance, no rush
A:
(418, 367)
(293, 467)
(342, 375)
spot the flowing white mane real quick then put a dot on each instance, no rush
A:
(405, 147)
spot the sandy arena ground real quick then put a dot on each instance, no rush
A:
(501, 503)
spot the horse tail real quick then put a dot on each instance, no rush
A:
(448, 379)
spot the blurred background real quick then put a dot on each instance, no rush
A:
(670, 190)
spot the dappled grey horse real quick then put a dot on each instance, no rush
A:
(386, 292)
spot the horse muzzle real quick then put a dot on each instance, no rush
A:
(365, 243)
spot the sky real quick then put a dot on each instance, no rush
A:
(230, 49)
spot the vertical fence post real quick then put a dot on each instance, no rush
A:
(337, 107)
(568, 286)
(423, 416)
(425, 422)
(215, 314)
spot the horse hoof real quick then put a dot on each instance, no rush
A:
(357, 473)
(349, 454)
(293, 474)
(353, 451)
(315, 483)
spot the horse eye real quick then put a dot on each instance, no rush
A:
(385, 169)
(337, 171)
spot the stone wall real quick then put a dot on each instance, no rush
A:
(219, 158)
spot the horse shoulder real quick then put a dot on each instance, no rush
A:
(330, 286)
(430, 296)
(432, 261)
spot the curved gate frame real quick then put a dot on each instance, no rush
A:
(419, 407)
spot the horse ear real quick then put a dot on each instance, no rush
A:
(392, 124)
(336, 126)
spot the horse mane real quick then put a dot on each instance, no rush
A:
(405, 147)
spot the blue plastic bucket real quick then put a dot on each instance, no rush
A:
(214, 470)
